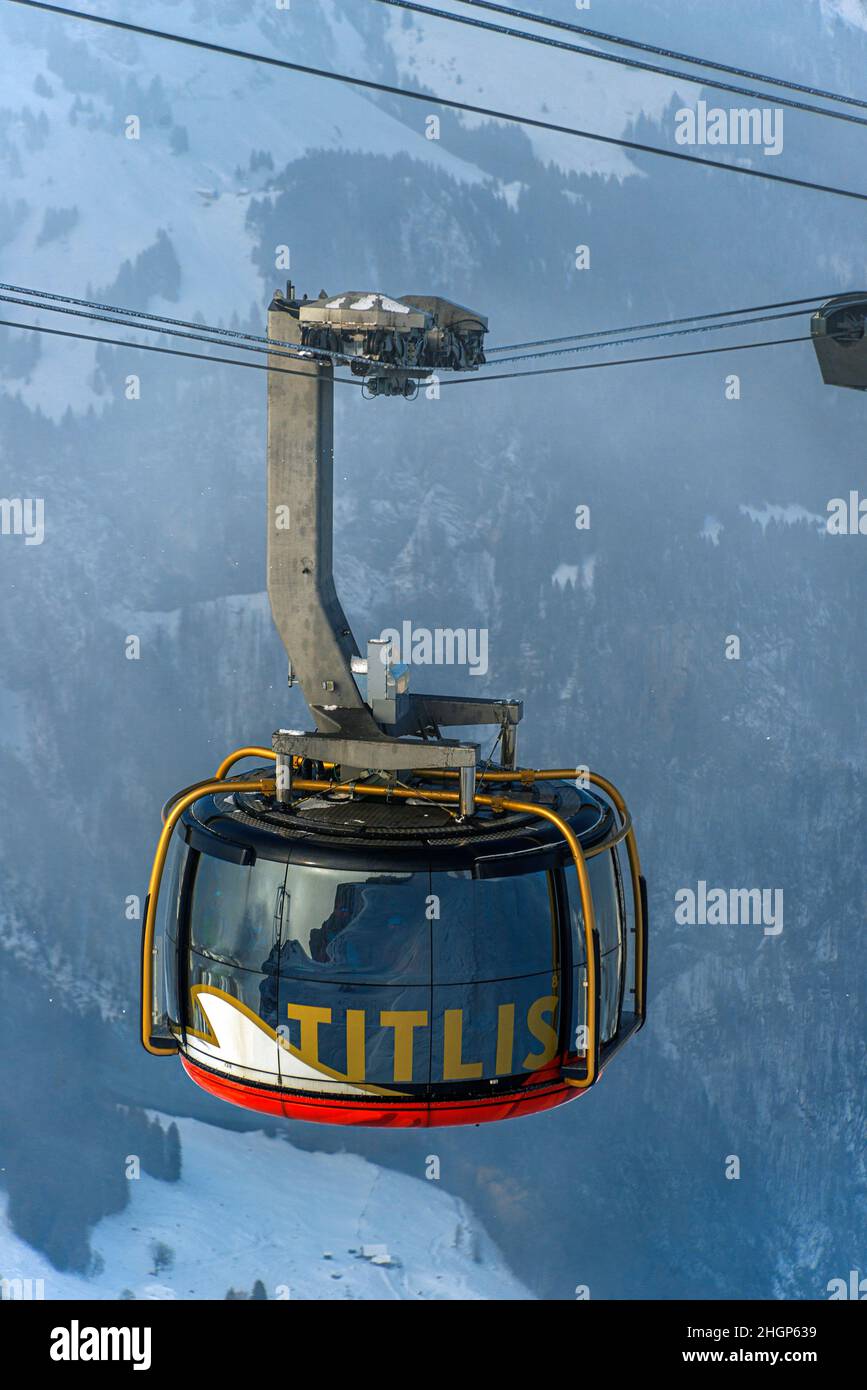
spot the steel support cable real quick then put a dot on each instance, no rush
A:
(145, 327)
(696, 79)
(660, 323)
(297, 351)
(572, 28)
(153, 326)
(450, 103)
(348, 381)
(646, 338)
(164, 351)
(274, 346)
(624, 361)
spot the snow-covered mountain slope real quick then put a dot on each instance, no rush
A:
(249, 1207)
(162, 220)
(852, 11)
(80, 200)
(496, 72)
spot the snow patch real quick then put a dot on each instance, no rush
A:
(511, 194)
(380, 301)
(248, 1207)
(565, 574)
(852, 12)
(571, 574)
(793, 514)
(712, 530)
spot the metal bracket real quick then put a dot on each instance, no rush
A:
(323, 655)
(356, 757)
(382, 754)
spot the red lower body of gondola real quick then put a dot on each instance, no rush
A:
(271, 1100)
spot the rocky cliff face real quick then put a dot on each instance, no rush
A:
(706, 522)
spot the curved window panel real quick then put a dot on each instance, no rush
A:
(168, 909)
(236, 910)
(496, 976)
(609, 1001)
(607, 904)
(608, 909)
(355, 926)
(165, 1016)
(492, 928)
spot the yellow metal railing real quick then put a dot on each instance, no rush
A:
(173, 815)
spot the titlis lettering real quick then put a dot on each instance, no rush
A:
(77, 1343)
(403, 1024)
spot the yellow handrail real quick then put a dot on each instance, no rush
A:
(239, 753)
(172, 818)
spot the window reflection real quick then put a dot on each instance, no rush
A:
(340, 924)
(608, 911)
(164, 1013)
(488, 929)
(393, 978)
(235, 915)
(170, 892)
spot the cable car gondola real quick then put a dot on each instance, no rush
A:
(838, 333)
(373, 926)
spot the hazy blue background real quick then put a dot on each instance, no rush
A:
(707, 520)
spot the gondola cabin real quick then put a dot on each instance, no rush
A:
(361, 960)
(838, 334)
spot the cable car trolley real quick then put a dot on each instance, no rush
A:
(370, 925)
(393, 343)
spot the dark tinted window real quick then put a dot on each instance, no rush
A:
(609, 1001)
(165, 950)
(606, 904)
(170, 890)
(608, 910)
(355, 926)
(235, 915)
(488, 929)
(499, 1028)
(496, 976)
